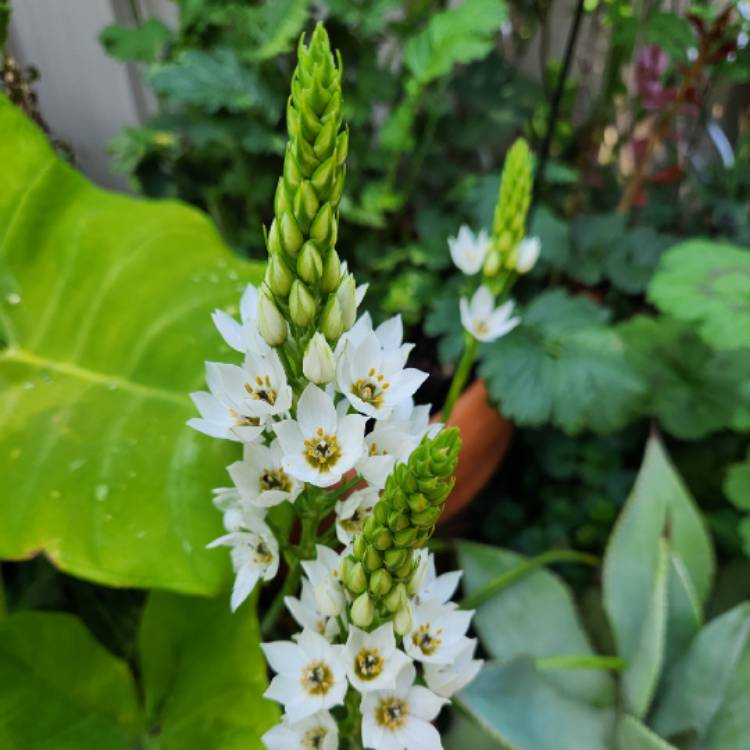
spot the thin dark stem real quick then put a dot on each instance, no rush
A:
(554, 110)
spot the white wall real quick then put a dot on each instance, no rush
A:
(85, 96)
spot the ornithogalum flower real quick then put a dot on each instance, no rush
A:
(372, 660)
(260, 477)
(483, 320)
(319, 446)
(316, 732)
(468, 250)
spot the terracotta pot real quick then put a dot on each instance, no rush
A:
(486, 435)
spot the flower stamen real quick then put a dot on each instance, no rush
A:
(263, 390)
(392, 713)
(368, 663)
(322, 451)
(425, 641)
(317, 678)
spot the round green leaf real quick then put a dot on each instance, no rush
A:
(105, 323)
(708, 284)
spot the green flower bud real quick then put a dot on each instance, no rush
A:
(396, 599)
(356, 580)
(323, 227)
(306, 204)
(318, 365)
(382, 539)
(347, 297)
(372, 560)
(278, 276)
(273, 240)
(331, 321)
(271, 324)
(403, 622)
(359, 547)
(363, 611)
(492, 263)
(331, 276)
(301, 304)
(309, 263)
(281, 202)
(394, 558)
(291, 237)
(380, 582)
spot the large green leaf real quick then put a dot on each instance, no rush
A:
(708, 284)
(659, 515)
(456, 35)
(563, 365)
(517, 621)
(61, 690)
(693, 389)
(525, 712)
(201, 669)
(104, 310)
(707, 692)
(203, 674)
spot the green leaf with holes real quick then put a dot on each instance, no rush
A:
(707, 284)
(104, 319)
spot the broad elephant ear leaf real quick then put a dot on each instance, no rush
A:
(104, 327)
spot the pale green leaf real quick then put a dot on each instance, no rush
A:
(457, 35)
(700, 687)
(641, 677)
(516, 621)
(516, 705)
(708, 284)
(105, 310)
(632, 735)
(203, 674)
(659, 508)
(61, 690)
(737, 484)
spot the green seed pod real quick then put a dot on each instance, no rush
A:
(301, 304)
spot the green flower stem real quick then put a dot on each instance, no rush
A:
(303, 551)
(351, 726)
(581, 661)
(3, 606)
(496, 585)
(344, 487)
(460, 376)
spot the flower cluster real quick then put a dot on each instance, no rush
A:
(323, 405)
(500, 257)
(374, 609)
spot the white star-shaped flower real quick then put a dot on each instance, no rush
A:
(387, 444)
(243, 336)
(448, 679)
(254, 552)
(323, 573)
(316, 732)
(434, 587)
(373, 379)
(319, 447)
(468, 250)
(221, 416)
(259, 388)
(261, 479)
(483, 320)
(307, 615)
(399, 719)
(352, 512)
(438, 633)
(372, 660)
(310, 674)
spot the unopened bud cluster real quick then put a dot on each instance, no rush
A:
(305, 281)
(380, 569)
(509, 225)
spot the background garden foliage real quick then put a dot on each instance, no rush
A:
(635, 320)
